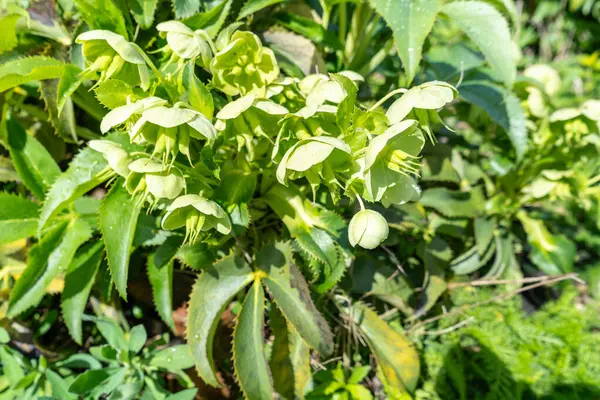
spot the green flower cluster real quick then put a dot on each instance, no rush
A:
(310, 131)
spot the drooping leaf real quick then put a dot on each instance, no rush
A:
(290, 358)
(173, 358)
(78, 284)
(489, 30)
(35, 166)
(161, 280)
(502, 106)
(410, 21)
(109, 18)
(16, 72)
(118, 219)
(252, 6)
(211, 293)
(397, 361)
(143, 12)
(47, 258)
(18, 217)
(291, 294)
(452, 203)
(249, 360)
(82, 175)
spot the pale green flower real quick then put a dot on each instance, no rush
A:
(186, 43)
(153, 180)
(368, 229)
(117, 158)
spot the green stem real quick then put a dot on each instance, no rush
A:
(387, 96)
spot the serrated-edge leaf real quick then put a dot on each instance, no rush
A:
(78, 284)
(161, 281)
(211, 294)
(143, 12)
(252, 6)
(18, 217)
(46, 259)
(16, 72)
(83, 174)
(249, 361)
(185, 8)
(118, 219)
(291, 293)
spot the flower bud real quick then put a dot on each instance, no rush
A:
(368, 229)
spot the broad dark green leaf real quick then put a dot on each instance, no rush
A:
(489, 30)
(161, 280)
(252, 6)
(60, 387)
(173, 358)
(78, 284)
(143, 12)
(291, 294)
(18, 217)
(111, 332)
(109, 18)
(309, 28)
(89, 380)
(290, 358)
(249, 359)
(35, 166)
(46, 260)
(503, 107)
(211, 293)
(137, 338)
(16, 72)
(397, 361)
(452, 203)
(83, 174)
(411, 21)
(118, 219)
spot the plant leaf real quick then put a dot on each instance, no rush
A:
(161, 280)
(252, 6)
(68, 84)
(46, 259)
(60, 387)
(16, 72)
(397, 360)
(291, 293)
(503, 107)
(113, 93)
(102, 14)
(211, 293)
(137, 338)
(35, 166)
(211, 21)
(185, 8)
(62, 122)
(10, 366)
(173, 358)
(118, 219)
(199, 96)
(410, 21)
(18, 217)
(143, 12)
(249, 359)
(82, 175)
(489, 30)
(309, 28)
(454, 203)
(89, 380)
(78, 284)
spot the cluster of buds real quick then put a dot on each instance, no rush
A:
(310, 131)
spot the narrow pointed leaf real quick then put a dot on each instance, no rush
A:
(161, 280)
(291, 294)
(143, 12)
(78, 284)
(397, 361)
(47, 258)
(249, 360)
(118, 219)
(411, 21)
(212, 292)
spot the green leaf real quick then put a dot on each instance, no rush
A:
(410, 21)
(4, 336)
(503, 107)
(83, 174)
(78, 284)
(63, 122)
(60, 387)
(189, 394)
(249, 359)
(16, 72)
(143, 12)
(89, 380)
(7, 170)
(8, 39)
(137, 338)
(10, 366)
(397, 361)
(111, 332)
(47, 258)
(18, 217)
(69, 82)
(252, 6)
(211, 293)
(173, 358)
(290, 358)
(489, 30)
(118, 219)
(199, 96)
(185, 8)
(211, 21)
(452, 203)
(291, 293)
(309, 28)
(161, 280)
(114, 93)
(102, 14)
(35, 166)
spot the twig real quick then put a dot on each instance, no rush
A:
(487, 282)
(497, 298)
(450, 328)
